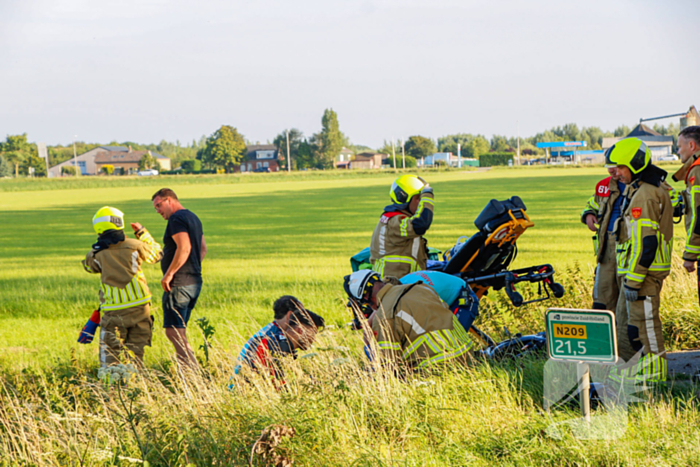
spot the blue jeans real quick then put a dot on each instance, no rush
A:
(178, 305)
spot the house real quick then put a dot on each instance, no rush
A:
(659, 144)
(260, 156)
(126, 160)
(88, 166)
(367, 160)
(345, 156)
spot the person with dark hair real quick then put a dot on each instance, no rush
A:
(294, 328)
(184, 249)
(689, 150)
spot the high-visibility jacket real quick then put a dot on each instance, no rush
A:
(690, 173)
(123, 282)
(645, 232)
(413, 325)
(398, 247)
(601, 204)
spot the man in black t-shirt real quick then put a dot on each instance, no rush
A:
(184, 249)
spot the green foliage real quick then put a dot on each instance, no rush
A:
(147, 161)
(108, 169)
(492, 159)
(33, 161)
(224, 149)
(476, 147)
(6, 169)
(15, 150)
(330, 140)
(70, 170)
(191, 165)
(296, 140)
(419, 146)
(499, 144)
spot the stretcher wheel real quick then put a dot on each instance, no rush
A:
(557, 289)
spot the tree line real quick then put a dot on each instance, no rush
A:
(226, 148)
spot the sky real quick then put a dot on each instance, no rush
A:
(146, 71)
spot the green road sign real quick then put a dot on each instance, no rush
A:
(581, 335)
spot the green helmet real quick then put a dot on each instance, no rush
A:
(633, 153)
(406, 187)
(108, 218)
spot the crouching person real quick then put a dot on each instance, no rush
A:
(410, 323)
(294, 328)
(124, 296)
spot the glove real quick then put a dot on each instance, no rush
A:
(631, 295)
(426, 189)
(90, 328)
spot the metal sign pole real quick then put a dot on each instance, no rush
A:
(584, 376)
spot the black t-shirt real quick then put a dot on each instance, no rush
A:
(190, 272)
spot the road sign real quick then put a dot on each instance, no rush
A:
(581, 335)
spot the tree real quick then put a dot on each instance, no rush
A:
(330, 140)
(296, 139)
(499, 143)
(5, 168)
(622, 130)
(224, 149)
(476, 147)
(147, 161)
(191, 165)
(108, 169)
(34, 162)
(449, 143)
(419, 146)
(68, 170)
(15, 149)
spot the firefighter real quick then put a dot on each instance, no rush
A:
(410, 323)
(689, 150)
(398, 247)
(644, 243)
(600, 214)
(126, 323)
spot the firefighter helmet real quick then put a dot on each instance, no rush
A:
(633, 153)
(406, 187)
(359, 284)
(108, 218)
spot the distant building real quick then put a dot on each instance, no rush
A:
(659, 144)
(344, 157)
(126, 160)
(88, 165)
(260, 156)
(367, 161)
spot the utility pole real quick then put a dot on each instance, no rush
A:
(75, 158)
(289, 163)
(459, 156)
(518, 123)
(403, 155)
(393, 152)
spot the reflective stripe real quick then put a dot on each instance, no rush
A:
(115, 298)
(417, 328)
(651, 334)
(382, 235)
(416, 245)
(388, 345)
(130, 292)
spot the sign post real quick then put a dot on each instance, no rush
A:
(582, 336)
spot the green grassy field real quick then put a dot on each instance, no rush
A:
(272, 235)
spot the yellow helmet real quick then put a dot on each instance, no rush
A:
(108, 218)
(406, 187)
(633, 153)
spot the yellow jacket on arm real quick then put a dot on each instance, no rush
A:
(645, 234)
(414, 326)
(601, 206)
(690, 172)
(123, 282)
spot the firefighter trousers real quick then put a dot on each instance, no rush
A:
(639, 329)
(124, 330)
(606, 288)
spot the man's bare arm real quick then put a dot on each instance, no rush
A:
(184, 247)
(204, 248)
